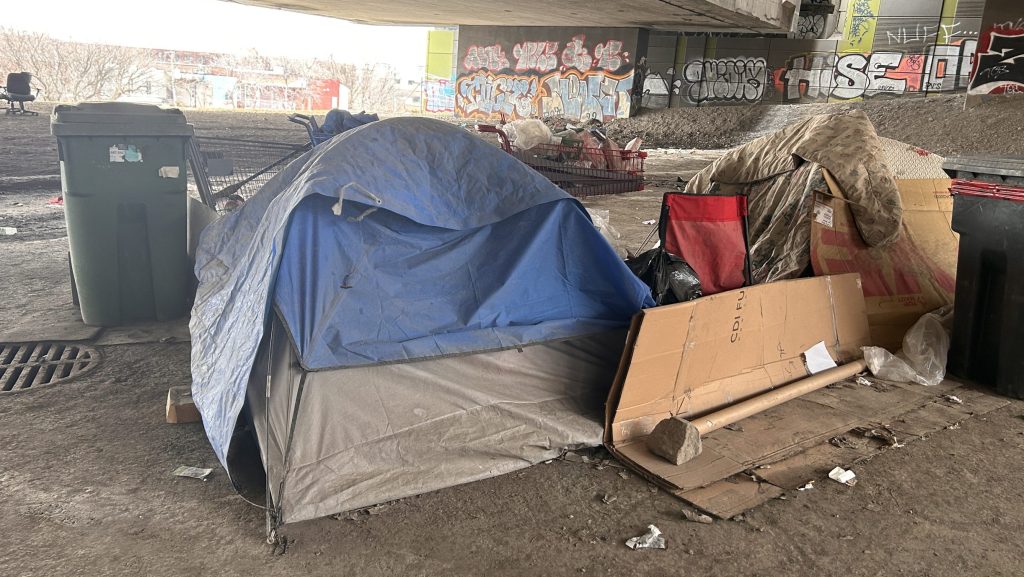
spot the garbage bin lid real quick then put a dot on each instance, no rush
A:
(118, 119)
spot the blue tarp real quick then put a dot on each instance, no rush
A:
(444, 245)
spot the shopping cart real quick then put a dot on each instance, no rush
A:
(233, 169)
(579, 170)
(316, 133)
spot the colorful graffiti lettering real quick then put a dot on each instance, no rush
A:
(586, 96)
(566, 76)
(726, 80)
(485, 94)
(539, 56)
(825, 76)
(489, 57)
(438, 96)
(574, 95)
(999, 68)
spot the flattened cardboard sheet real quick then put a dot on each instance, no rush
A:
(904, 280)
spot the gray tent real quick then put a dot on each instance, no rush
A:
(405, 308)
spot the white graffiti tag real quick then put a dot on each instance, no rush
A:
(576, 55)
(539, 56)
(489, 57)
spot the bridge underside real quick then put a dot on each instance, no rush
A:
(740, 16)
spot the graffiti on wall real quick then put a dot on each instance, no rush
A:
(576, 78)
(726, 80)
(572, 94)
(999, 67)
(438, 96)
(941, 68)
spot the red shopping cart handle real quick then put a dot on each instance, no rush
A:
(490, 128)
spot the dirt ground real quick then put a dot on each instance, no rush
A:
(86, 485)
(940, 124)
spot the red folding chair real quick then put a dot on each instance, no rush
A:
(710, 233)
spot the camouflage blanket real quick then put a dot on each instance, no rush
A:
(781, 172)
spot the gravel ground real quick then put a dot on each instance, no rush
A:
(939, 124)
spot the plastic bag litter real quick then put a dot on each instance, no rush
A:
(528, 133)
(671, 279)
(652, 539)
(923, 358)
(602, 221)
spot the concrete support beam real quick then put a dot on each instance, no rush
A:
(743, 16)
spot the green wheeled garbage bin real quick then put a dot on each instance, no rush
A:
(124, 181)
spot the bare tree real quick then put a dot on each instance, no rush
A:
(74, 71)
(372, 87)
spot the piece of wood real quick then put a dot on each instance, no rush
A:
(180, 407)
(753, 406)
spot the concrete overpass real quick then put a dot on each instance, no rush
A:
(740, 16)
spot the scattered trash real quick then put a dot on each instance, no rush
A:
(603, 223)
(954, 426)
(608, 499)
(739, 518)
(818, 359)
(192, 472)
(884, 434)
(528, 133)
(652, 539)
(376, 509)
(923, 358)
(806, 486)
(170, 339)
(8, 230)
(863, 381)
(650, 222)
(845, 442)
(56, 201)
(844, 476)
(624, 474)
(697, 517)
(652, 487)
(571, 457)
(953, 399)
(734, 427)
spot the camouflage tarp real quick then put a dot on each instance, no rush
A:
(781, 171)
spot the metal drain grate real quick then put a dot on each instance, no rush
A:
(31, 365)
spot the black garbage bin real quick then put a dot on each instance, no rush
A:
(987, 345)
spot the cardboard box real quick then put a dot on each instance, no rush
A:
(904, 280)
(692, 358)
(180, 407)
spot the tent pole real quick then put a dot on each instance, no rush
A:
(288, 451)
(271, 520)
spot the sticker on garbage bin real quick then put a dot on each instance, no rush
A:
(169, 172)
(125, 153)
(823, 214)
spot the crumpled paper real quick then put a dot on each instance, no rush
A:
(652, 539)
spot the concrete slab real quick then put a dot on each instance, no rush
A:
(762, 16)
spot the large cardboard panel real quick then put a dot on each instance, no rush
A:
(692, 358)
(904, 280)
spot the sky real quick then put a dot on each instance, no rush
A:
(217, 26)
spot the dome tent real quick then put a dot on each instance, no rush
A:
(402, 309)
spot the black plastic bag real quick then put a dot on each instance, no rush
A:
(670, 278)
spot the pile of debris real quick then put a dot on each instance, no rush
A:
(579, 158)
